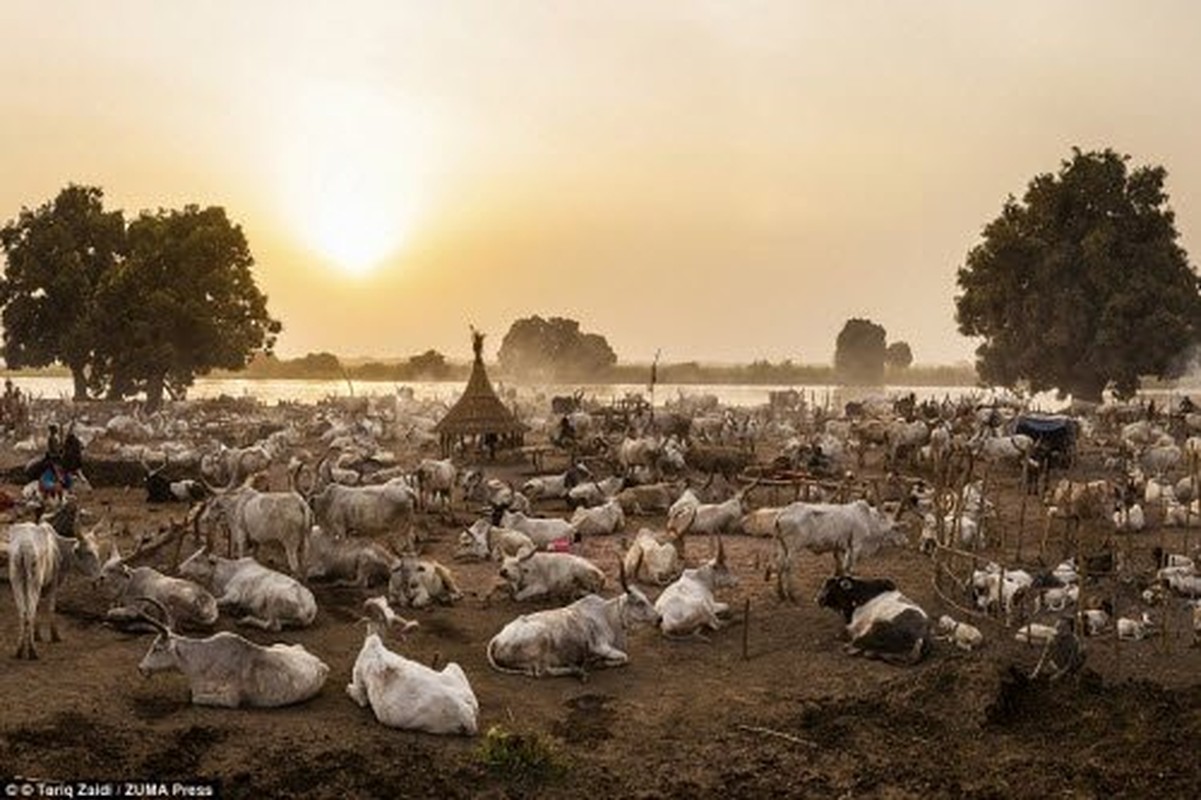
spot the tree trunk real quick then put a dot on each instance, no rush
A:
(81, 383)
(154, 392)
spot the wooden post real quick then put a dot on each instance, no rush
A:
(1117, 647)
(1021, 525)
(746, 626)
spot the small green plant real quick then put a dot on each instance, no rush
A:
(519, 756)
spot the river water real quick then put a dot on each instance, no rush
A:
(313, 391)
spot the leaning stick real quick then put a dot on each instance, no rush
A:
(746, 626)
(778, 734)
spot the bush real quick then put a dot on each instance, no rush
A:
(519, 756)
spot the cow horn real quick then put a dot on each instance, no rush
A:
(721, 551)
(621, 574)
(166, 624)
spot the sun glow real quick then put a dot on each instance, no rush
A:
(349, 175)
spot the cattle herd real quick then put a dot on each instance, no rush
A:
(275, 502)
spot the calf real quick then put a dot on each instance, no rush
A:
(38, 561)
(883, 624)
(570, 640)
(228, 671)
(406, 694)
(688, 605)
(533, 574)
(1035, 633)
(1135, 630)
(271, 598)
(966, 637)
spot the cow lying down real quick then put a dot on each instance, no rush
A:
(881, 622)
(569, 640)
(404, 693)
(228, 671)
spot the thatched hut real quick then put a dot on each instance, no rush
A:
(479, 417)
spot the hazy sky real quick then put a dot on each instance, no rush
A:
(724, 181)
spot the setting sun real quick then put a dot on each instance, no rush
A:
(348, 177)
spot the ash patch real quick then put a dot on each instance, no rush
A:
(589, 719)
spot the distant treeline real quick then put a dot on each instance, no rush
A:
(432, 366)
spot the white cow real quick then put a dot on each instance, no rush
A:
(688, 605)
(483, 541)
(534, 574)
(849, 531)
(568, 641)
(348, 562)
(652, 558)
(255, 518)
(188, 603)
(599, 521)
(271, 598)
(541, 531)
(436, 480)
(382, 510)
(405, 694)
(417, 583)
(228, 671)
(38, 561)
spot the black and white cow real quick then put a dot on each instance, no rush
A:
(881, 622)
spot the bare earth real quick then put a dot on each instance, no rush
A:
(796, 718)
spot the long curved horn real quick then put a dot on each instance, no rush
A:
(621, 574)
(163, 626)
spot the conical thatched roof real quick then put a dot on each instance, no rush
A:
(479, 410)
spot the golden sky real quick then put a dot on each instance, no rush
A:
(724, 181)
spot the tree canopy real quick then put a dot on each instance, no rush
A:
(859, 352)
(57, 255)
(1082, 285)
(144, 307)
(899, 355)
(553, 349)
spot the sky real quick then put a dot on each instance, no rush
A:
(718, 181)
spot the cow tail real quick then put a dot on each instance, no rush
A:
(492, 662)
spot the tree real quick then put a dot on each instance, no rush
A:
(429, 366)
(183, 302)
(316, 365)
(56, 257)
(1082, 284)
(859, 352)
(553, 349)
(899, 355)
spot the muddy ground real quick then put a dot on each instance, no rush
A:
(795, 718)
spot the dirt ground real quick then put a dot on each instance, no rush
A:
(795, 718)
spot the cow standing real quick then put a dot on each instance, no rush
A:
(849, 531)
